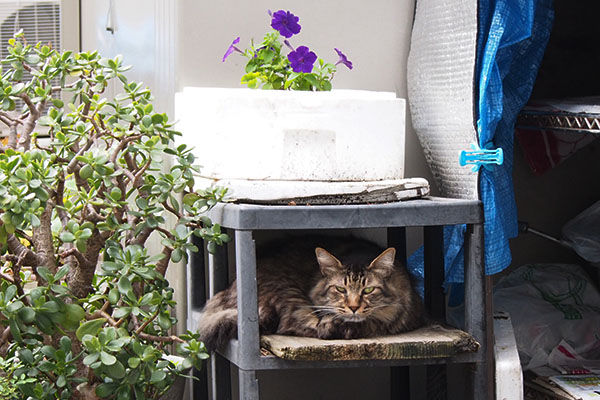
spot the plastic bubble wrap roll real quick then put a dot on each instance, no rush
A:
(441, 68)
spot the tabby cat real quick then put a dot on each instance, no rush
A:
(359, 292)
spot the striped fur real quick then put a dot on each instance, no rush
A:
(354, 289)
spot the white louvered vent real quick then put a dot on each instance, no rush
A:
(39, 19)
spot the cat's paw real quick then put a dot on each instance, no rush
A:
(326, 329)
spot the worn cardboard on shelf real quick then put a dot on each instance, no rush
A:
(432, 341)
(311, 192)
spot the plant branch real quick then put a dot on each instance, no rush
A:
(146, 323)
(163, 264)
(30, 122)
(6, 277)
(161, 339)
(141, 238)
(12, 137)
(42, 239)
(127, 173)
(103, 314)
(122, 145)
(5, 337)
(172, 210)
(59, 196)
(76, 253)
(73, 162)
(92, 215)
(25, 236)
(140, 174)
(20, 253)
(16, 268)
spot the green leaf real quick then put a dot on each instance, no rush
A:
(74, 313)
(14, 330)
(133, 362)
(58, 103)
(67, 237)
(146, 121)
(62, 272)
(49, 351)
(91, 358)
(86, 172)
(50, 306)
(27, 315)
(164, 321)
(121, 312)
(65, 344)
(311, 79)
(46, 366)
(115, 194)
(116, 371)
(113, 296)
(124, 393)
(26, 355)
(125, 287)
(14, 307)
(181, 231)
(45, 274)
(176, 255)
(9, 293)
(157, 376)
(90, 328)
(106, 389)
(44, 323)
(107, 359)
(61, 381)
(157, 119)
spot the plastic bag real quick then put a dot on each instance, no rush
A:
(583, 233)
(549, 303)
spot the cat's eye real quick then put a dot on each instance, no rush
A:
(368, 290)
(340, 289)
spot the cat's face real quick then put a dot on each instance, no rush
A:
(353, 293)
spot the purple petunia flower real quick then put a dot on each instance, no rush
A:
(343, 59)
(232, 48)
(285, 23)
(302, 59)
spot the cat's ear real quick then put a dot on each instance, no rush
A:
(328, 263)
(384, 263)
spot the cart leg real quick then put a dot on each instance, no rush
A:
(399, 376)
(248, 385)
(476, 300)
(435, 302)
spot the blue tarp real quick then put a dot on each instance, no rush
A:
(511, 40)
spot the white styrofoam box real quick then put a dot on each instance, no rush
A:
(342, 135)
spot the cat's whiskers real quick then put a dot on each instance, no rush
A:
(321, 313)
(381, 306)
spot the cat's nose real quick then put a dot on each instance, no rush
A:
(353, 308)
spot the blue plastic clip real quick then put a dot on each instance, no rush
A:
(478, 157)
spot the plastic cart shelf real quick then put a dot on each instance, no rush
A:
(243, 220)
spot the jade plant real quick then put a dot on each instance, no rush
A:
(86, 195)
